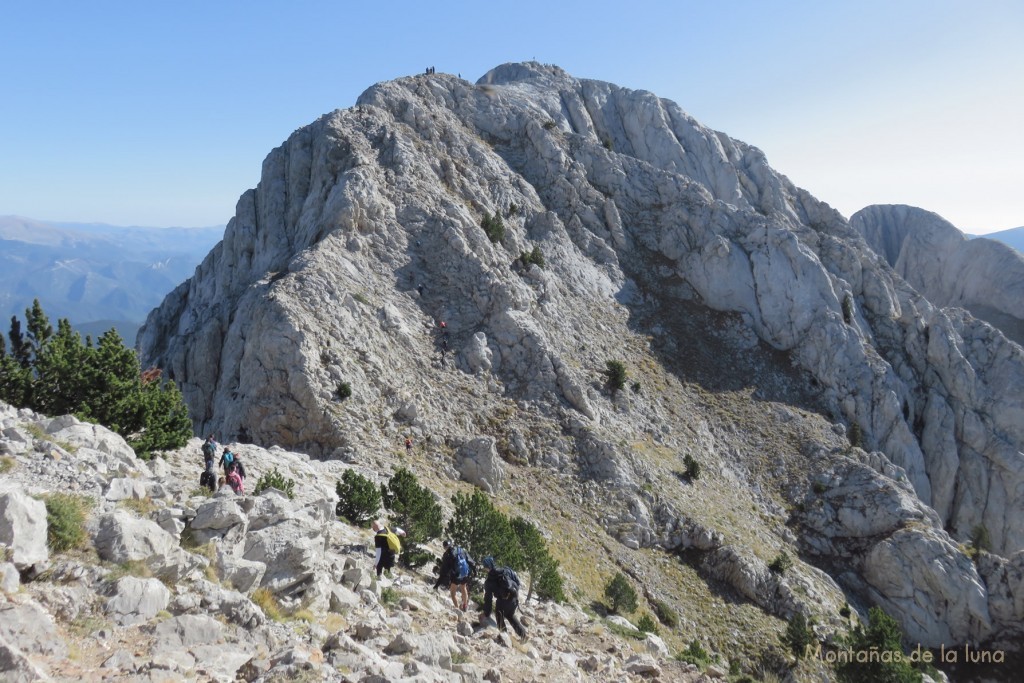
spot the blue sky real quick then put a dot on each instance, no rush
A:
(160, 113)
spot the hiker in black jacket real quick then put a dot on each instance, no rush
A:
(503, 584)
(450, 574)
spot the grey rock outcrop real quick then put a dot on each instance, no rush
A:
(982, 275)
(136, 600)
(23, 530)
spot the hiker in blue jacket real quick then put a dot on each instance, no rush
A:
(503, 585)
(456, 571)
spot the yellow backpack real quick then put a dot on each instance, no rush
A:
(393, 543)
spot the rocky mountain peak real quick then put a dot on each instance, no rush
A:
(555, 224)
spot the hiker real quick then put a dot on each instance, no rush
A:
(221, 483)
(239, 467)
(457, 568)
(388, 546)
(234, 480)
(208, 478)
(503, 584)
(209, 448)
(419, 288)
(226, 459)
(408, 446)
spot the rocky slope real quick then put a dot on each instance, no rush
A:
(168, 588)
(982, 275)
(760, 332)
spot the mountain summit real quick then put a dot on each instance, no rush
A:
(554, 225)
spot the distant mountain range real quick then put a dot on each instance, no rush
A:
(1014, 237)
(98, 276)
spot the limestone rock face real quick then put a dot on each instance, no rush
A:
(314, 324)
(984, 276)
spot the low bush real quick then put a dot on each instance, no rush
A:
(615, 376)
(666, 615)
(275, 480)
(493, 226)
(781, 564)
(695, 654)
(692, 471)
(646, 624)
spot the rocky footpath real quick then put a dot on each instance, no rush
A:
(177, 584)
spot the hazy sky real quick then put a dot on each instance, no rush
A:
(147, 113)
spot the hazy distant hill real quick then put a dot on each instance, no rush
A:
(95, 275)
(1014, 237)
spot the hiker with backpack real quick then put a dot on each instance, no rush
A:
(208, 478)
(227, 459)
(388, 547)
(209, 448)
(234, 480)
(457, 568)
(502, 584)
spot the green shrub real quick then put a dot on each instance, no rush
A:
(695, 654)
(389, 596)
(847, 309)
(65, 522)
(620, 594)
(666, 615)
(344, 391)
(533, 256)
(856, 436)
(359, 498)
(799, 635)
(882, 635)
(781, 564)
(7, 463)
(413, 508)
(646, 624)
(692, 471)
(615, 376)
(493, 226)
(275, 480)
(980, 538)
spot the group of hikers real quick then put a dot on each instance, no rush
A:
(234, 470)
(501, 585)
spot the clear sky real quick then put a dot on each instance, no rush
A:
(160, 113)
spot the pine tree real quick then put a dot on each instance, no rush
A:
(621, 595)
(415, 510)
(484, 530)
(537, 561)
(359, 500)
(57, 374)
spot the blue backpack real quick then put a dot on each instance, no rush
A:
(461, 564)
